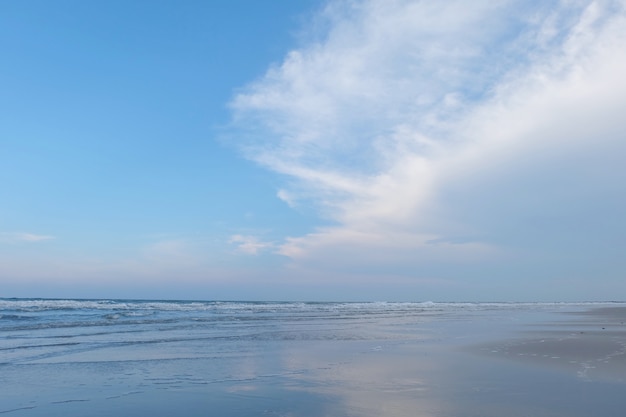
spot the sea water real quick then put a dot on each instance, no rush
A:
(205, 358)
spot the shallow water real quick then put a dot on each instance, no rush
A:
(162, 358)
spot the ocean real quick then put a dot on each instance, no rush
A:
(220, 358)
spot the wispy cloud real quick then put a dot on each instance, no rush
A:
(444, 130)
(249, 244)
(16, 237)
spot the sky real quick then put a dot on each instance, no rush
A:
(357, 150)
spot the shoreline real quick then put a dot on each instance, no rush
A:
(357, 361)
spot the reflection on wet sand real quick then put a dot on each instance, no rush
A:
(379, 382)
(558, 368)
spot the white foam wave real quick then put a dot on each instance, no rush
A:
(140, 307)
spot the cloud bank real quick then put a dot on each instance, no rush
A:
(431, 132)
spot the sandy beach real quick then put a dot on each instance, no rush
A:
(590, 345)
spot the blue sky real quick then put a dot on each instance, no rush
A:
(313, 150)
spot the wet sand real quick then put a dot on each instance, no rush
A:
(588, 344)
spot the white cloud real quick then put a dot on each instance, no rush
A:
(249, 244)
(16, 237)
(287, 197)
(447, 130)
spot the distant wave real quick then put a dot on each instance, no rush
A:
(43, 304)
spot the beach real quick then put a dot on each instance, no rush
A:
(591, 345)
(97, 358)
